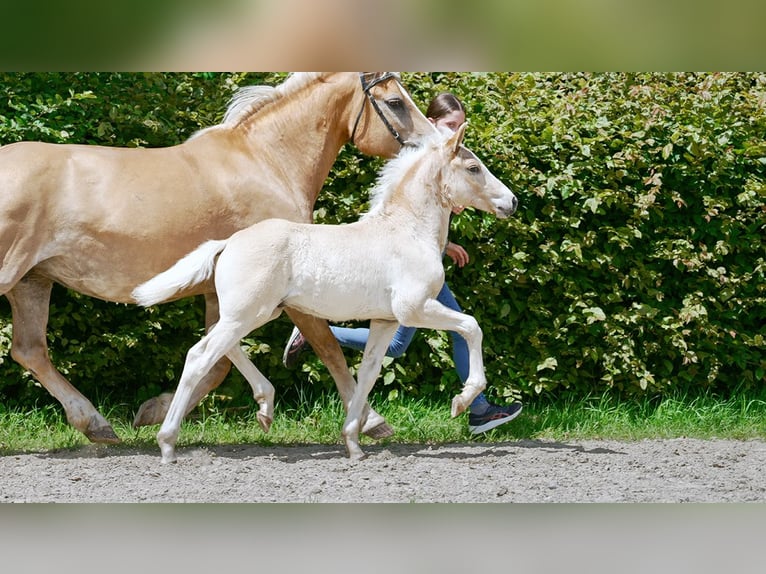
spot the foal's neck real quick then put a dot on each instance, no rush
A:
(425, 207)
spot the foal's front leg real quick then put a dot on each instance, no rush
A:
(435, 315)
(381, 333)
(326, 347)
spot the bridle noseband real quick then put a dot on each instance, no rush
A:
(366, 87)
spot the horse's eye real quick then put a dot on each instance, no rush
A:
(474, 168)
(395, 103)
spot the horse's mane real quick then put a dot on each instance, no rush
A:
(248, 100)
(394, 171)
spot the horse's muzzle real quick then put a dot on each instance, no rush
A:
(506, 209)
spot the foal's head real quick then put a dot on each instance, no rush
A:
(441, 164)
(466, 181)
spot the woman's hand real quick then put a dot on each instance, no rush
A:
(457, 254)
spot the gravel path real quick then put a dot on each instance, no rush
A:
(677, 470)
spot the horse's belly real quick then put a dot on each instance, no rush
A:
(109, 280)
(334, 304)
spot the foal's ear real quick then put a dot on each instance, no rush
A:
(457, 138)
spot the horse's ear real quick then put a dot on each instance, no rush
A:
(457, 138)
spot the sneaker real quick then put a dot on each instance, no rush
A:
(296, 344)
(493, 417)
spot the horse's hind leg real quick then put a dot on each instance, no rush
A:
(263, 391)
(154, 410)
(326, 347)
(30, 299)
(199, 360)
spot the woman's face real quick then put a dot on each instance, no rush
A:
(451, 121)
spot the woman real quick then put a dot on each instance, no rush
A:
(444, 111)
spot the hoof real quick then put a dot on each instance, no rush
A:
(153, 411)
(458, 406)
(355, 454)
(264, 421)
(103, 434)
(380, 431)
(167, 450)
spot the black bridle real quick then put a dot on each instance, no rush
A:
(366, 87)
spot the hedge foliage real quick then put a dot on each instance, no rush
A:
(635, 263)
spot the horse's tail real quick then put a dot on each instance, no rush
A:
(193, 269)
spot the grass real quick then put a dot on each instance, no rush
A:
(415, 421)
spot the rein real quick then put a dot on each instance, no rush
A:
(366, 89)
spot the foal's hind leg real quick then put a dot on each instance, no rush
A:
(199, 360)
(153, 411)
(263, 391)
(326, 347)
(30, 299)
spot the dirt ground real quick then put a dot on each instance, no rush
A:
(677, 470)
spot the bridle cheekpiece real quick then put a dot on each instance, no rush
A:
(366, 87)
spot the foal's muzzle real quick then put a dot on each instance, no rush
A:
(506, 208)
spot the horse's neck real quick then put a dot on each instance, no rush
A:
(305, 132)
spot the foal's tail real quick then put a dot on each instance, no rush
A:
(193, 269)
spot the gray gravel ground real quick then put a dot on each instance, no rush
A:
(676, 470)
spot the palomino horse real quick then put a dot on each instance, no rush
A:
(103, 220)
(341, 272)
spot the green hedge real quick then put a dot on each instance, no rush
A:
(635, 263)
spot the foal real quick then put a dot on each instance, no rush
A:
(386, 267)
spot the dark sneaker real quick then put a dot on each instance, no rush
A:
(493, 417)
(296, 344)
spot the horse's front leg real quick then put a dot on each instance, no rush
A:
(381, 333)
(328, 350)
(154, 410)
(30, 299)
(435, 315)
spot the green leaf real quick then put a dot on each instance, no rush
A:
(549, 363)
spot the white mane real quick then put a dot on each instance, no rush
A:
(395, 170)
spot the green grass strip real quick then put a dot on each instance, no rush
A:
(738, 417)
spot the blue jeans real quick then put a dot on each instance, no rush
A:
(356, 338)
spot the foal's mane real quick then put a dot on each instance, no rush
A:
(396, 169)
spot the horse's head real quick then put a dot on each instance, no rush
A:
(468, 182)
(388, 118)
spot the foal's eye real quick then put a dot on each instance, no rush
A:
(474, 168)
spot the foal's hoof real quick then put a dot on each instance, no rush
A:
(383, 430)
(264, 421)
(153, 411)
(169, 458)
(355, 454)
(101, 433)
(458, 406)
